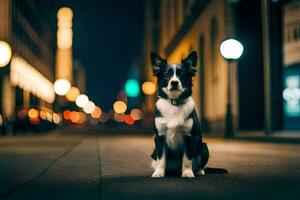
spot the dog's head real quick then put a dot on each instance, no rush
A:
(174, 80)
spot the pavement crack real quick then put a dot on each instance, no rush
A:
(45, 170)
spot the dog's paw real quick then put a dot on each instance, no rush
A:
(158, 173)
(188, 173)
(201, 172)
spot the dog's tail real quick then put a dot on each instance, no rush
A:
(204, 155)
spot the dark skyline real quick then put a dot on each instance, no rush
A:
(107, 39)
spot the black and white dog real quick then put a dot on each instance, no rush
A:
(178, 139)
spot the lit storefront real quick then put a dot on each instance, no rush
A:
(291, 80)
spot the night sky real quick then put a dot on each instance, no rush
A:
(107, 39)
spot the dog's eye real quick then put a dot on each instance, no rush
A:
(169, 72)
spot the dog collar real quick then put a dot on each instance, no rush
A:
(175, 102)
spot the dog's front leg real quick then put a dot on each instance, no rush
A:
(161, 156)
(187, 171)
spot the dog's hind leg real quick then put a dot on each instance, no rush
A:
(197, 168)
(161, 156)
(201, 155)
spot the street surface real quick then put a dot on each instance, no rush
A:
(71, 165)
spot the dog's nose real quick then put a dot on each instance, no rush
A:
(174, 83)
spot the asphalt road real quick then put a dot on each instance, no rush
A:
(84, 166)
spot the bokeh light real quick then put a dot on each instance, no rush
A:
(64, 32)
(62, 86)
(82, 100)
(43, 115)
(34, 121)
(5, 53)
(120, 107)
(82, 118)
(72, 94)
(129, 120)
(56, 118)
(89, 108)
(119, 117)
(231, 49)
(148, 88)
(49, 116)
(67, 114)
(97, 112)
(65, 13)
(132, 88)
(75, 117)
(136, 114)
(28, 78)
(33, 113)
(104, 117)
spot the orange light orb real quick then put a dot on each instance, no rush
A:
(148, 88)
(67, 114)
(75, 117)
(129, 120)
(33, 113)
(43, 115)
(72, 94)
(82, 118)
(119, 117)
(65, 13)
(97, 112)
(120, 107)
(136, 114)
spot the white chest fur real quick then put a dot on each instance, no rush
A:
(174, 122)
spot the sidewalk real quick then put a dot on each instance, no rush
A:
(278, 136)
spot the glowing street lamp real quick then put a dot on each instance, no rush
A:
(82, 100)
(231, 50)
(62, 86)
(5, 53)
(64, 72)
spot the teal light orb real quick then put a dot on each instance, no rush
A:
(132, 88)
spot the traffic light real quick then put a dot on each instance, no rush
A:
(132, 88)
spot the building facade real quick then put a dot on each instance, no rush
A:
(174, 28)
(27, 81)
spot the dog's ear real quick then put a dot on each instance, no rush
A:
(156, 62)
(191, 62)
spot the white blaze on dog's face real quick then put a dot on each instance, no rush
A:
(174, 87)
(174, 80)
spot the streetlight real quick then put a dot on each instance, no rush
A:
(231, 50)
(5, 53)
(62, 86)
(82, 100)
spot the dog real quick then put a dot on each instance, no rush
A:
(178, 139)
